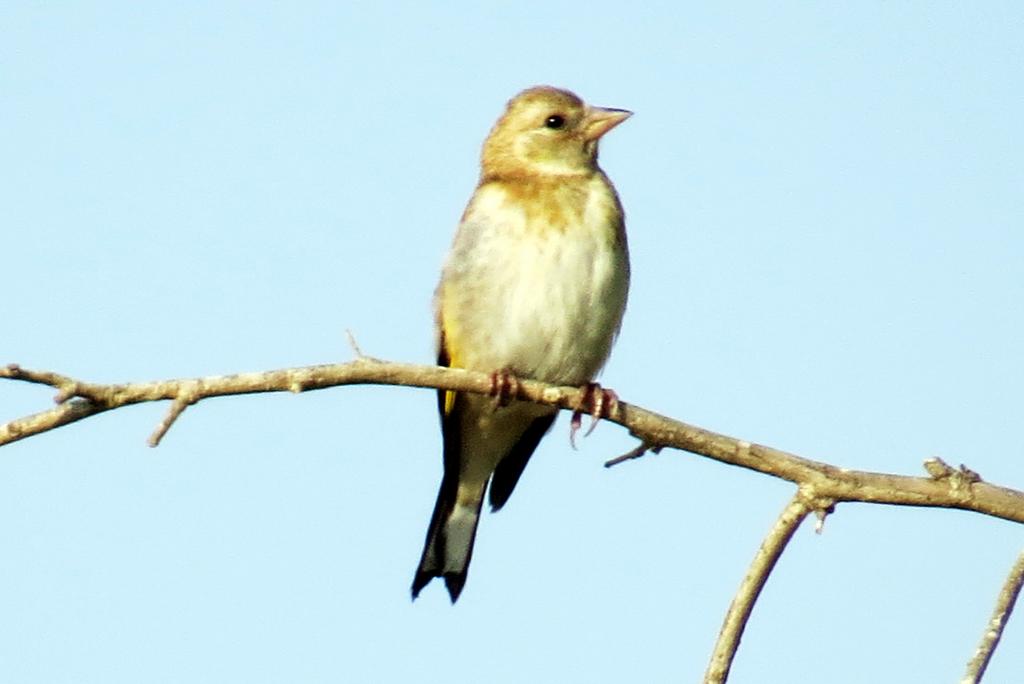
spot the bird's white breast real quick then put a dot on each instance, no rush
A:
(541, 301)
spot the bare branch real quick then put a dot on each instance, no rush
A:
(944, 488)
(750, 588)
(994, 630)
(821, 485)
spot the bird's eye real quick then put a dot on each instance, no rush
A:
(555, 121)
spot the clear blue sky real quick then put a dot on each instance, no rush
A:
(825, 214)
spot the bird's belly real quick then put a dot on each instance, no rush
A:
(555, 305)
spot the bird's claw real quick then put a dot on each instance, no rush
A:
(504, 388)
(598, 403)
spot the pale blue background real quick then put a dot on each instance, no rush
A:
(825, 214)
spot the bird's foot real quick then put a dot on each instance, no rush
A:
(504, 387)
(596, 401)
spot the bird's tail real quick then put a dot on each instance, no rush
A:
(449, 544)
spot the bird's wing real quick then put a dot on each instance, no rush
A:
(507, 473)
(450, 430)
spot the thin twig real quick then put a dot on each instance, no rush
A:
(636, 452)
(994, 630)
(188, 395)
(16, 372)
(178, 407)
(750, 588)
(355, 345)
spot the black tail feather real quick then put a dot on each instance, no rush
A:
(440, 559)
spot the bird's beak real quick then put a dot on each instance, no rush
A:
(601, 120)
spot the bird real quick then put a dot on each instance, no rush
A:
(534, 286)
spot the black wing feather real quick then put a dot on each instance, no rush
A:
(510, 468)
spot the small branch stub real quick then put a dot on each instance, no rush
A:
(637, 452)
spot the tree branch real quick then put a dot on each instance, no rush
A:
(996, 624)
(750, 588)
(945, 487)
(821, 485)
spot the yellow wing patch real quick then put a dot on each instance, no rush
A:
(447, 353)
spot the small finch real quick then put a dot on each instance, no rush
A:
(534, 286)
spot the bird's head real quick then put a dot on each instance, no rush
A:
(547, 131)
